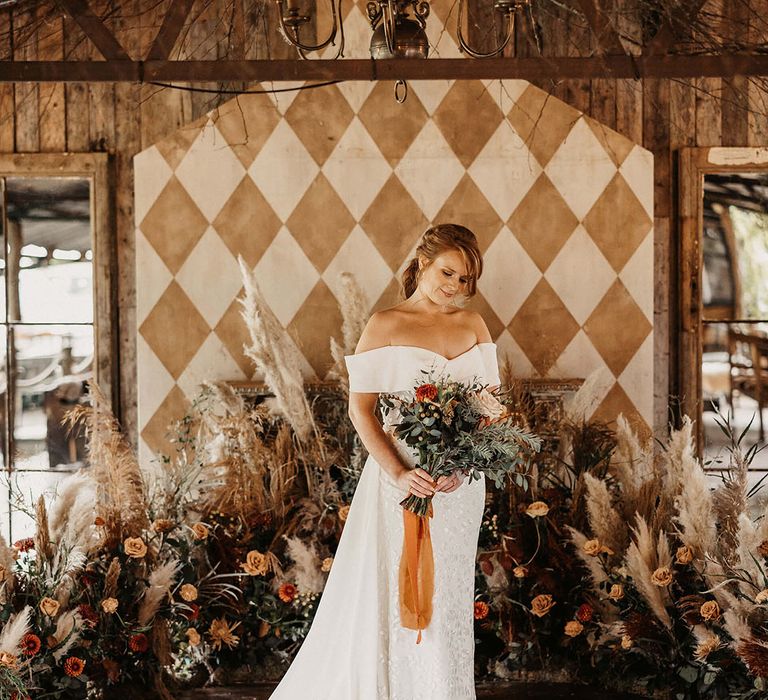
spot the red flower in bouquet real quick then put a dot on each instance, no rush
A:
(287, 592)
(30, 644)
(193, 613)
(138, 643)
(426, 392)
(74, 666)
(481, 610)
(584, 613)
(25, 545)
(89, 615)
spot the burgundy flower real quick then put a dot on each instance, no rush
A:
(584, 613)
(25, 544)
(138, 643)
(426, 392)
(89, 615)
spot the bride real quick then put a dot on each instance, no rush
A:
(358, 647)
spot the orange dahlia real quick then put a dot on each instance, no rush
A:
(74, 666)
(287, 592)
(30, 644)
(481, 610)
(138, 642)
(426, 392)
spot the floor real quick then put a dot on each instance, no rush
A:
(515, 691)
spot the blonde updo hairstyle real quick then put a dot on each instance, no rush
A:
(436, 241)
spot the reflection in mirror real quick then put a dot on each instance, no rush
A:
(47, 335)
(734, 295)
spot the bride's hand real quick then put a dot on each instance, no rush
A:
(417, 482)
(448, 484)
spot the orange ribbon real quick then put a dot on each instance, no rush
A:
(417, 572)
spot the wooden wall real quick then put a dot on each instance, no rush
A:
(662, 115)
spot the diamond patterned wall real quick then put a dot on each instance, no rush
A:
(307, 185)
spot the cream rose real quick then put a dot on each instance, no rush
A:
(574, 628)
(486, 404)
(49, 606)
(109, 605)
(537, 509)
(591, 548)
(661, 577)
(616, 592)
(710, 610)
(542, 604)
(135, 547)
(200, 531)
(188, 592)
(520, 571)
(626, 642)
(684, 555)
(255, 563)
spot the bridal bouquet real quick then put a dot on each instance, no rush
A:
(460, 426)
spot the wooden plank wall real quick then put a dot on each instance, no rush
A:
(663, 115)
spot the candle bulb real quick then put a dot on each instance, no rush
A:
(293, 4)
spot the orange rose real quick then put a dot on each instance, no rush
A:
(537, 509)
(49, 607)
(520, 571)
(684, 555)
(343, 513)
(109, 605)
(662, 577)
(481, 610)
(574, 628)
(710, 610)
(200, 531)
(542, 604)
(256, 563)
(617, 592)
(188, 592)
(135, 547)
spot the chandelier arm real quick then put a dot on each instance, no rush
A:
(339, 51)
(295, 39)
(389, 19)
(479, 54)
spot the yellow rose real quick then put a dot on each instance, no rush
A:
(542, 604)
(343, 513)
(193, 636)
(537, 509)
(200, 531)
(520, 571)
(591, 547)
(135, 547)
(710, 610)
(626, 642)
(255, 563)
(684, 555)
(661, 577)
(574, 628)
(49, 607)
(188, 592)
(327, 564)
(109, 605)
(762, 596)
(616, 592)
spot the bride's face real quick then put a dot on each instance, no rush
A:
(444, 279)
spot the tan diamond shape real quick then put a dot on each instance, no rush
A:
(447, 12)
(319, 118)
(480, 304)
(393, 126)
(246, 223)
(542, 121)
(393, 294)
(320, 222)
(246, 122)
(615, 402)
(468, 206)
(617, 327)
(617, 222)
(173, 340)
(310, 326)
(233, 333)
(174, 225)
(615, 145)
(174, 147)
(394, 222)
(542, 222)
(156, 431)
(468, 116)
(543, 327)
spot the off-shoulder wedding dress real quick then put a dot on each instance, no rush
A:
(356, 648)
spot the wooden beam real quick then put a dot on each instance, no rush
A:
(664, 38)
(532, 68)
(80, 11)
(173, 23)
(601, 26)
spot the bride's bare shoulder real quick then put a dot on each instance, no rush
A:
(378, 330)
(475, 321)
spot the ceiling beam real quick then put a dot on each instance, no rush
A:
(80, 11)
(533, 68)
(600, 23)
(173, 23)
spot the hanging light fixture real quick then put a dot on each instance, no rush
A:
(509, 10)
(291, 21)
(396, 33)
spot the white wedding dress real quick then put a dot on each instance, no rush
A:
(356, 648)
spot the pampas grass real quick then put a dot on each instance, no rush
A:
(14, 631)
(276, 357)
(641, 562)
(305, 572)
(6, 569)
(158, 587)
(604, 521)
(73, 511)
(354, 314)
(67, 632)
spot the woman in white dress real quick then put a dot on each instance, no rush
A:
(358, 648)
